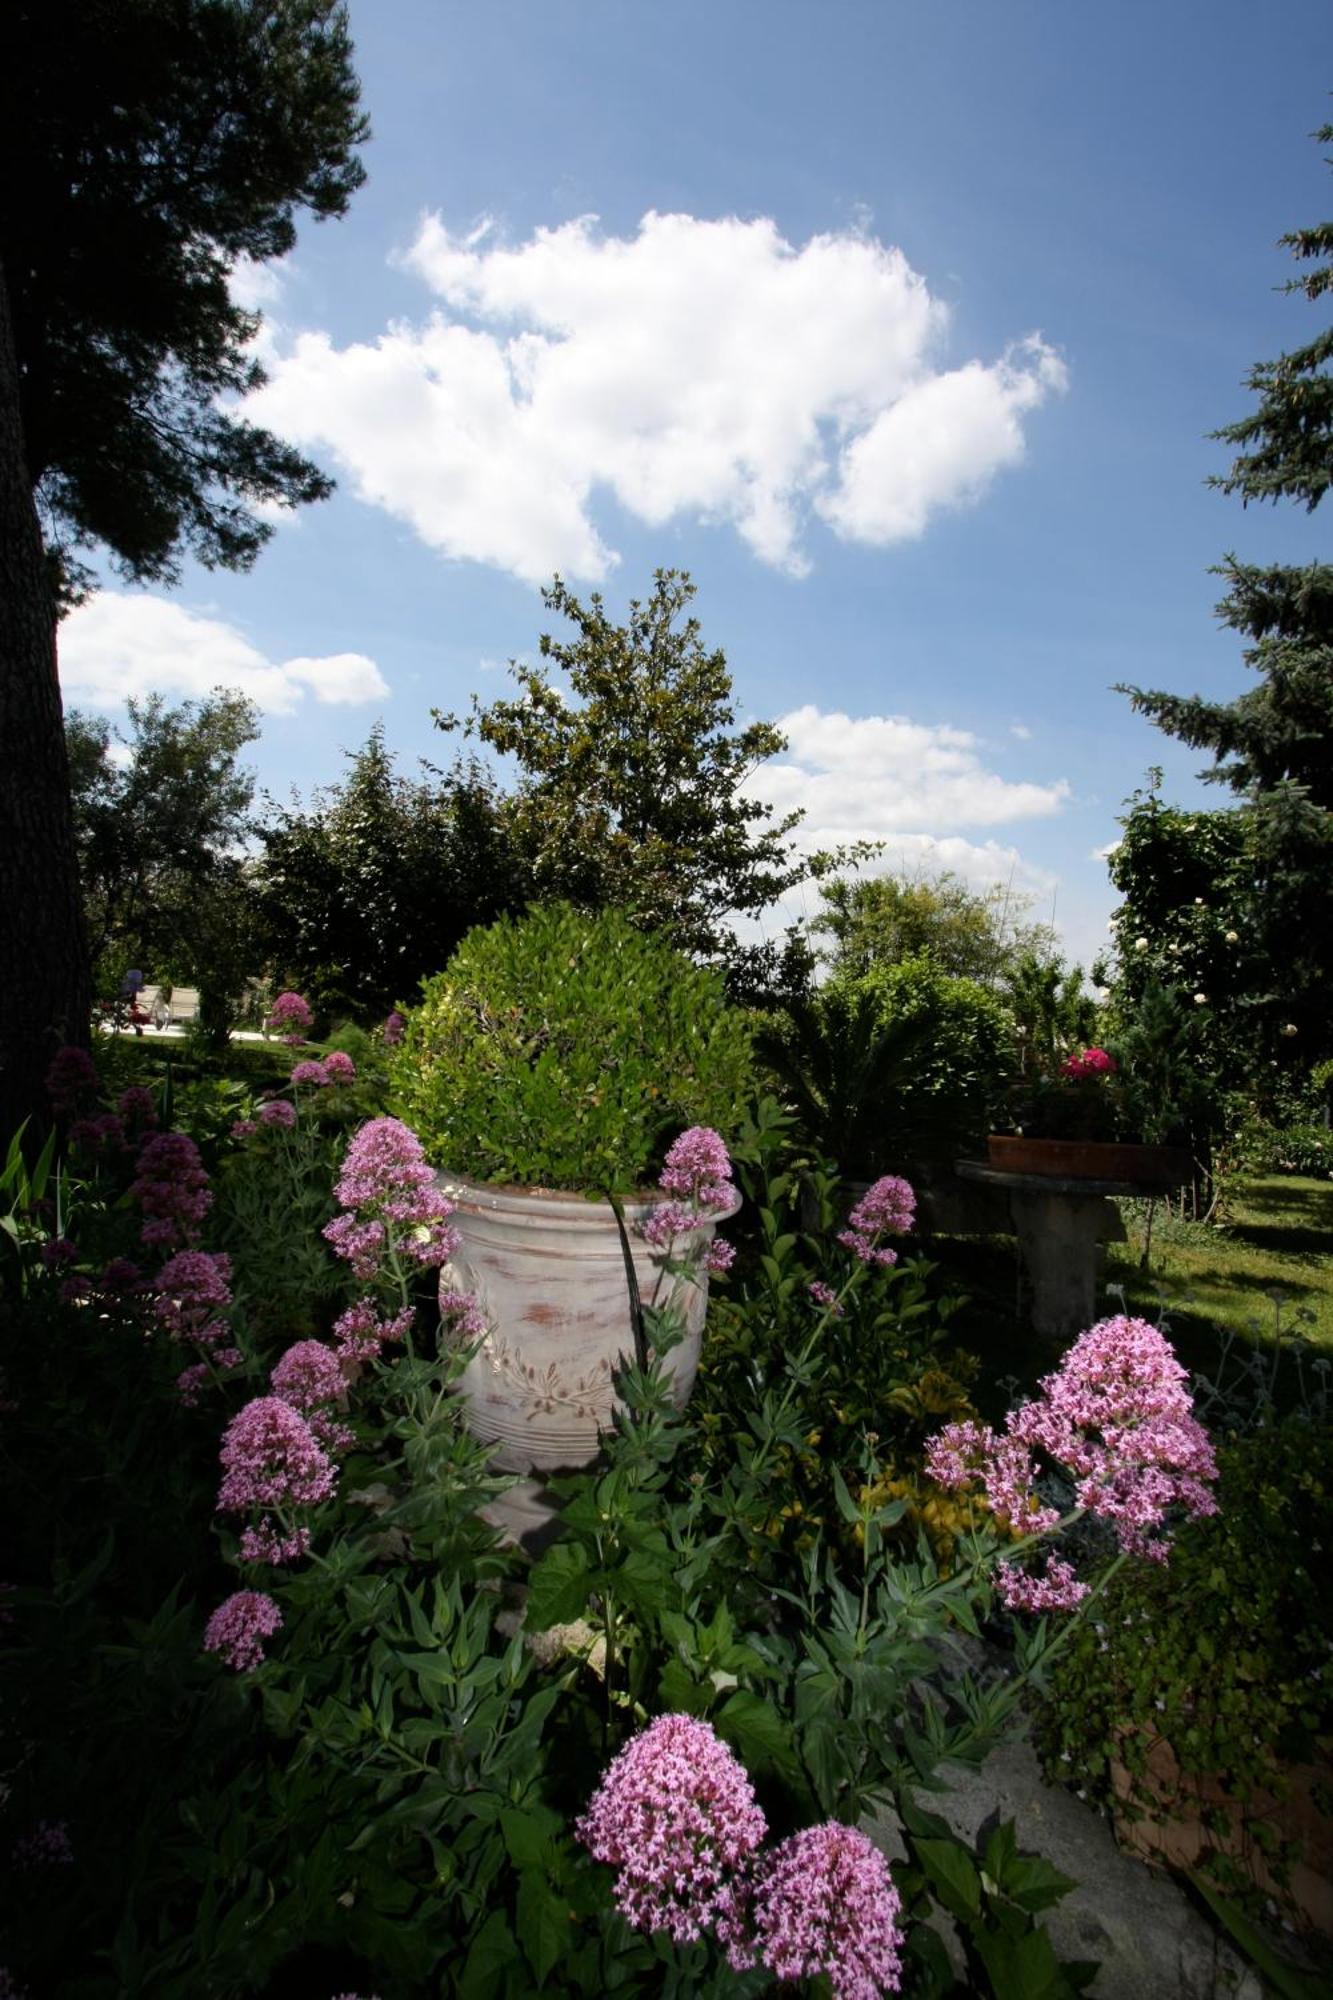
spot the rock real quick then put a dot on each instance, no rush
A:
(1151, 1942)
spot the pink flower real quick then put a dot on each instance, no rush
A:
(339, 1067)
(137, 1106)
(888, 1206)
(191, 1383)
(121, 1274)
(825, 1903)
(290, 1014)
(238, 1629)
(392, 1030)
(268, 1543)
(192, 1290)
(59, 1251)
(244, 1128)
(464, 1314)
(720, 1256)
(675, 1813)
(271, 1458)
(172, 1189)
(103, 1134)
(825, 1296)
(277, 1111)
(1056, 1588)
(70, 1077)
(310, 1377)
(360, 1330)
(663, 1224)
(698, 1169)
(47, 1846)
(386, 1187)
(309, 1072)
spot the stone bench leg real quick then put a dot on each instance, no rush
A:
(1060, 1236)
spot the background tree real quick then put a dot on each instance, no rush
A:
(155, 142)
(633, 793)
(1273, 745)
(368, 890)
(882, 919)
(160, 812)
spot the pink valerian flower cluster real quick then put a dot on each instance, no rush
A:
(310, 1377)
(697, 1179)
(191, 1293)
(675, 1813)
(359, 1333)
(101, 1135)
(1090, 1063)
(136, 1106)
(824, 1903)
(244, 1128)
(462, 1311)
(277, 1111)
(291, 1017)
(394, 1027)
(46, 1846)
(171, 1187)
(271, 1458)
(240, 1628)
(389, 1198)
(719, 1257)
(888, 1207)
(336, 1067)
(1058, 1587)
(71, 1076)
(698, 1170)
(309, 1072)
(1116, 1417)
(269, 1542)
(825, 1297)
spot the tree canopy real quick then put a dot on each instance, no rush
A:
(1273, 745)
(146, 147)
(156, 143)
(369, 888)
(634, 793)
(882, 919)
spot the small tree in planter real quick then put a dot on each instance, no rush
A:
(547, 1070)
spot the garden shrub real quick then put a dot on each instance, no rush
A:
(1223, 1654)
(898, 1064)
(563, 1050)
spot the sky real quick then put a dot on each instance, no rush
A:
(901, 328)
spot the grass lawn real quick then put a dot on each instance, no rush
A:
(1269, 1263)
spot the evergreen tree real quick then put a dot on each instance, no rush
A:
(146, 146)
(1273, 745)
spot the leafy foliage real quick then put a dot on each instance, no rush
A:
(634, 794)
(1223, 1656)
(883, 919)
(1274, 744)
(563, 1050)
(372, 887)
(156, 146)
(159, 817)
(896, 1064)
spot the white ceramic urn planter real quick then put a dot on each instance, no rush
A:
(548, 1271)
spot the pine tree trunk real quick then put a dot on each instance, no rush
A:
(44, 981)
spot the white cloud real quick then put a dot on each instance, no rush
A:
(878, 777)
(700, 369)
(122, 644)
(1021, 731)
(256, 285)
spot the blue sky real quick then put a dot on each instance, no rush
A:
(900, 327)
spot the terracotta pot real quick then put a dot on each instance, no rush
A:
(1090, 1160)
(548, 1271)
(1180, 1839)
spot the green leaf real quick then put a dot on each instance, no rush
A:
(952, 1876)
(529, 1835)
(544, 1926)
(761, 1737)
(493, 1953)
(559, 1586)
(1020, 1968)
